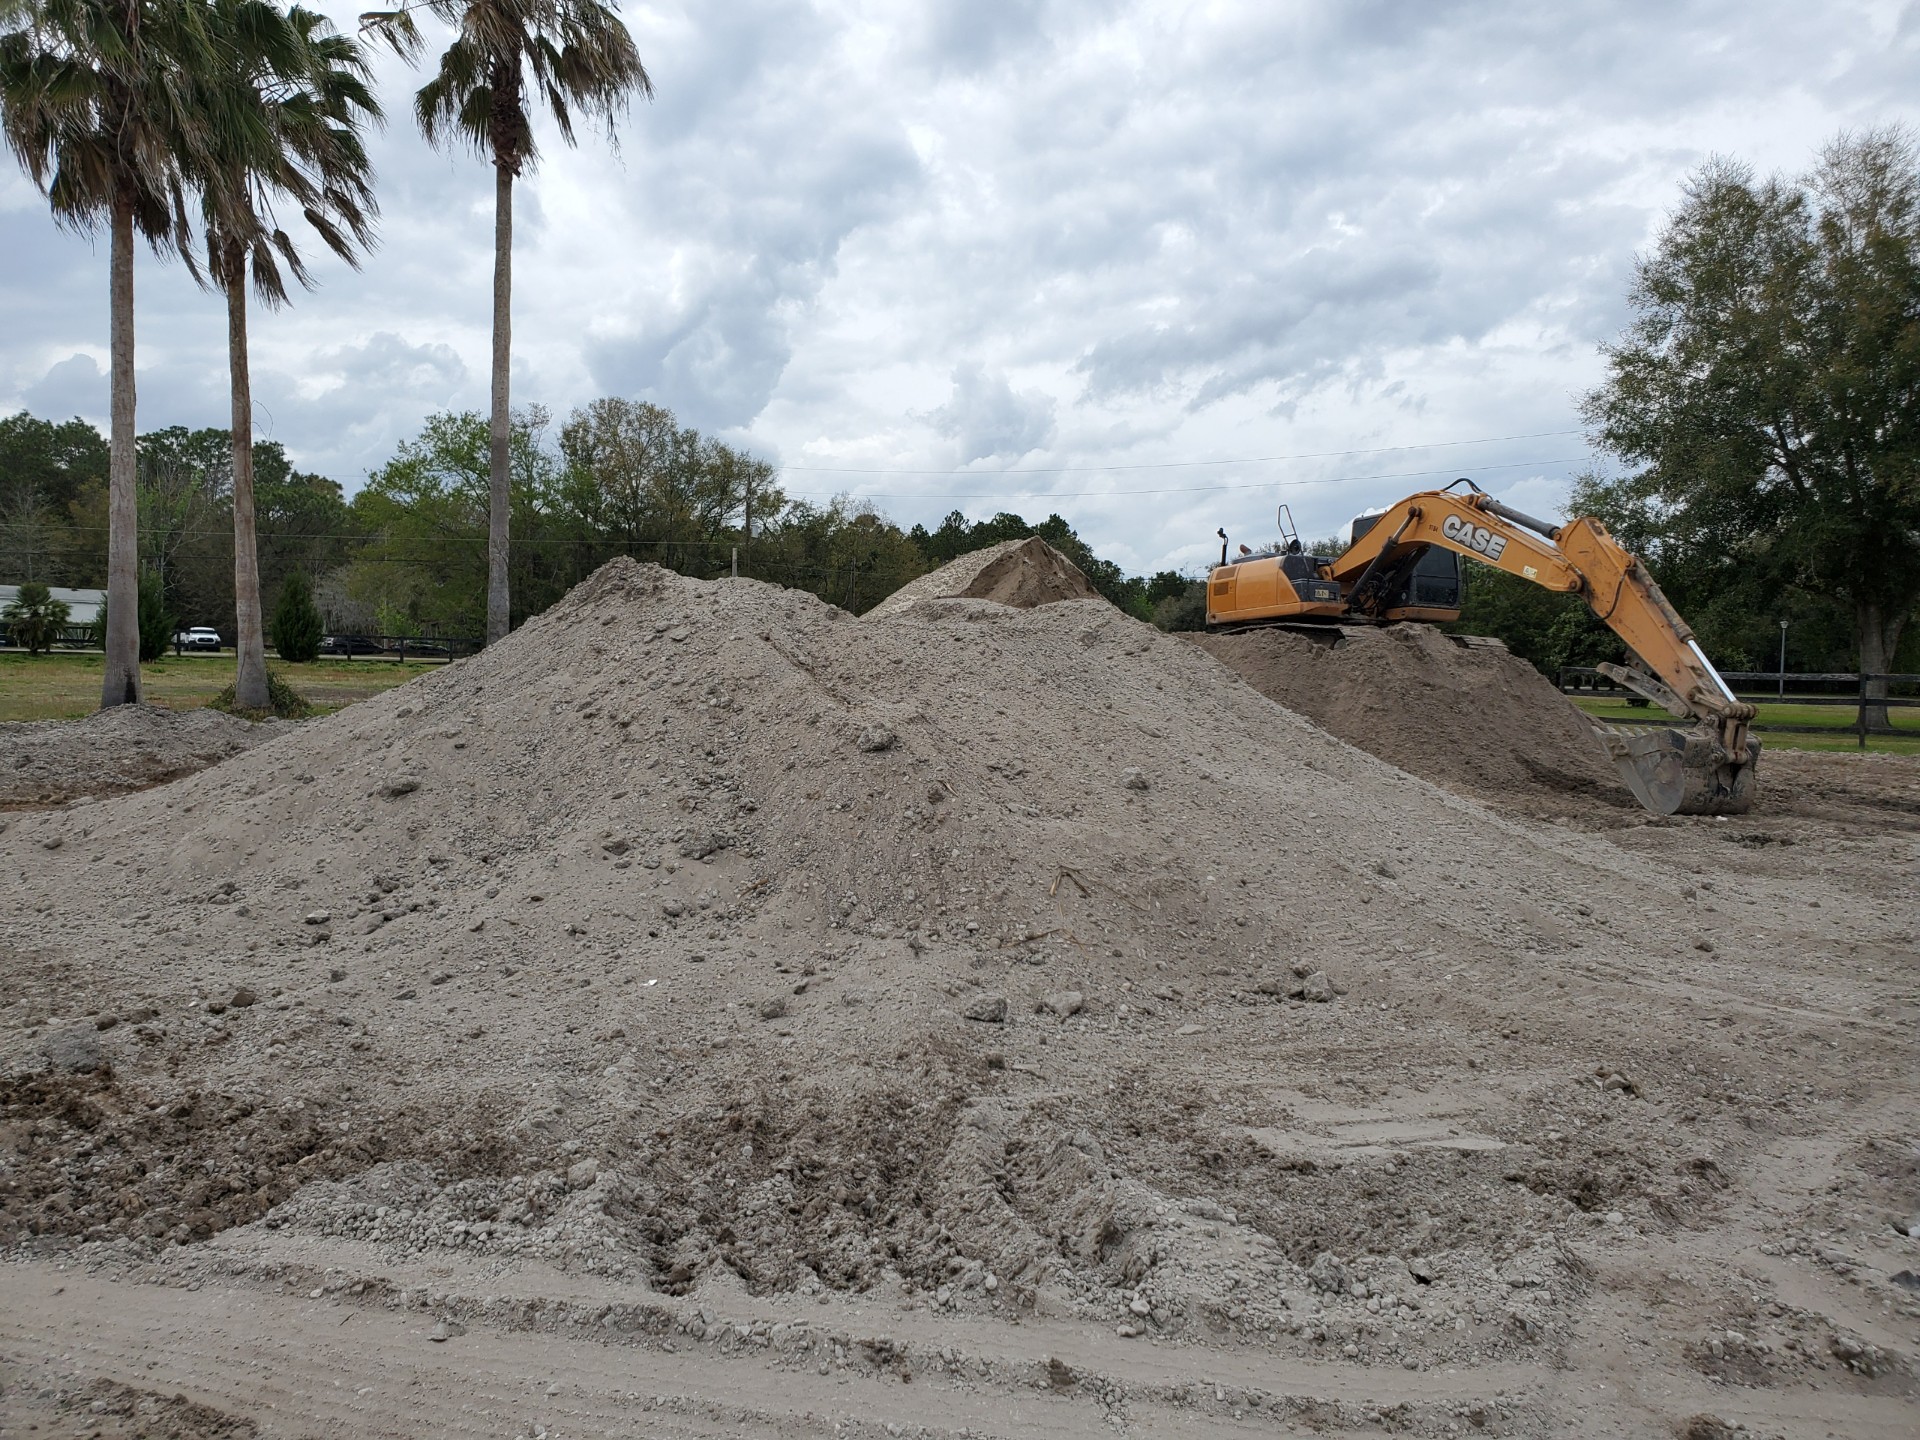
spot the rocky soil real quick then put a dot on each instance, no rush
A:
(130, 747)
(709, 1013)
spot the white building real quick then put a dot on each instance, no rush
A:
(83, 606)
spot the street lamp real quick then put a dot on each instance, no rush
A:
(1783, 660)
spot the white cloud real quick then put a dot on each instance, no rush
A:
(987, 420)
(1041, 235)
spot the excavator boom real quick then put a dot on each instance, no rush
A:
(1705, 769)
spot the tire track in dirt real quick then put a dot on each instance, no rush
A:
(297, 1365)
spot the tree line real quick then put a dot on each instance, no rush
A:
(408, 554)
(1764, 401)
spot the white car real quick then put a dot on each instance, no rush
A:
(200, 637)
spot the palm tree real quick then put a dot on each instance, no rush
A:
(94, 100)
(565, 54)
(283, 116)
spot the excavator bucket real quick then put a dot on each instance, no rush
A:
(1675, 770)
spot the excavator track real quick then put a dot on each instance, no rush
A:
(1682, 770)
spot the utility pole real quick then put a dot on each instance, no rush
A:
(1783, 660)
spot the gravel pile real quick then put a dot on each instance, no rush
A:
(1016, 961)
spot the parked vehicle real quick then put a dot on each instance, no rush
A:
(200, 637)
(349, 645)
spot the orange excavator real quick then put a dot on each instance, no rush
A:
(1404, 565)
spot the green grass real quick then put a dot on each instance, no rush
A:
(65, 686)
(1838, 718)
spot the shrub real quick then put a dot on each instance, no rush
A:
(34, 618)
(283, 701)
(296, 622)
(1185, 611)
(157, 623)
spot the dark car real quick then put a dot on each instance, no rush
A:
(349, 645)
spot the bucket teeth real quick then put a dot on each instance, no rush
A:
(1683, 771)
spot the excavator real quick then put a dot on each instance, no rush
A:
(1404, 565)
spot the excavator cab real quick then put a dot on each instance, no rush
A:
(1429, 583)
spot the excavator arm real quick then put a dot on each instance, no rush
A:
(1705, 770)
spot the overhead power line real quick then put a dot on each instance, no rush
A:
(1184, 464)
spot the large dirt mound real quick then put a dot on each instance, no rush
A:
(1470, 716)
(1021, 573)
(129, 747)
(701, 935)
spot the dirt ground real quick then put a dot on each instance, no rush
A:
(706, 1013)
(44, 763)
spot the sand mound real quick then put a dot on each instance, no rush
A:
(49, 762)
(701, 935)
(1472, 717)
(1020, 573)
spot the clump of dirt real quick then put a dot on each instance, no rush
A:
(1021, 573)
(86, 1156)
(1465, 714)
(61, 1402)
(44, 763)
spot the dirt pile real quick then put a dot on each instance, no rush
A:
(1472, 717)
(670, 862)
(722, 951)
(1021, 573)
(50, 762)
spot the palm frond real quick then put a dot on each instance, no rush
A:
(572, 59)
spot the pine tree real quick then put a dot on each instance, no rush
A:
(296, 622)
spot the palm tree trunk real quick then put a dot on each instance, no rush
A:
(250, 679)
(121, 684)
(499, 455)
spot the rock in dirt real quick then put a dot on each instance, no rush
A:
(875, 738)
(75, 1051)
(1327, 1273)
(582, 1173)
(989, 1009)
(1063, 1003)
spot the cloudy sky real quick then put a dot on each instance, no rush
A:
(1156, 266)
